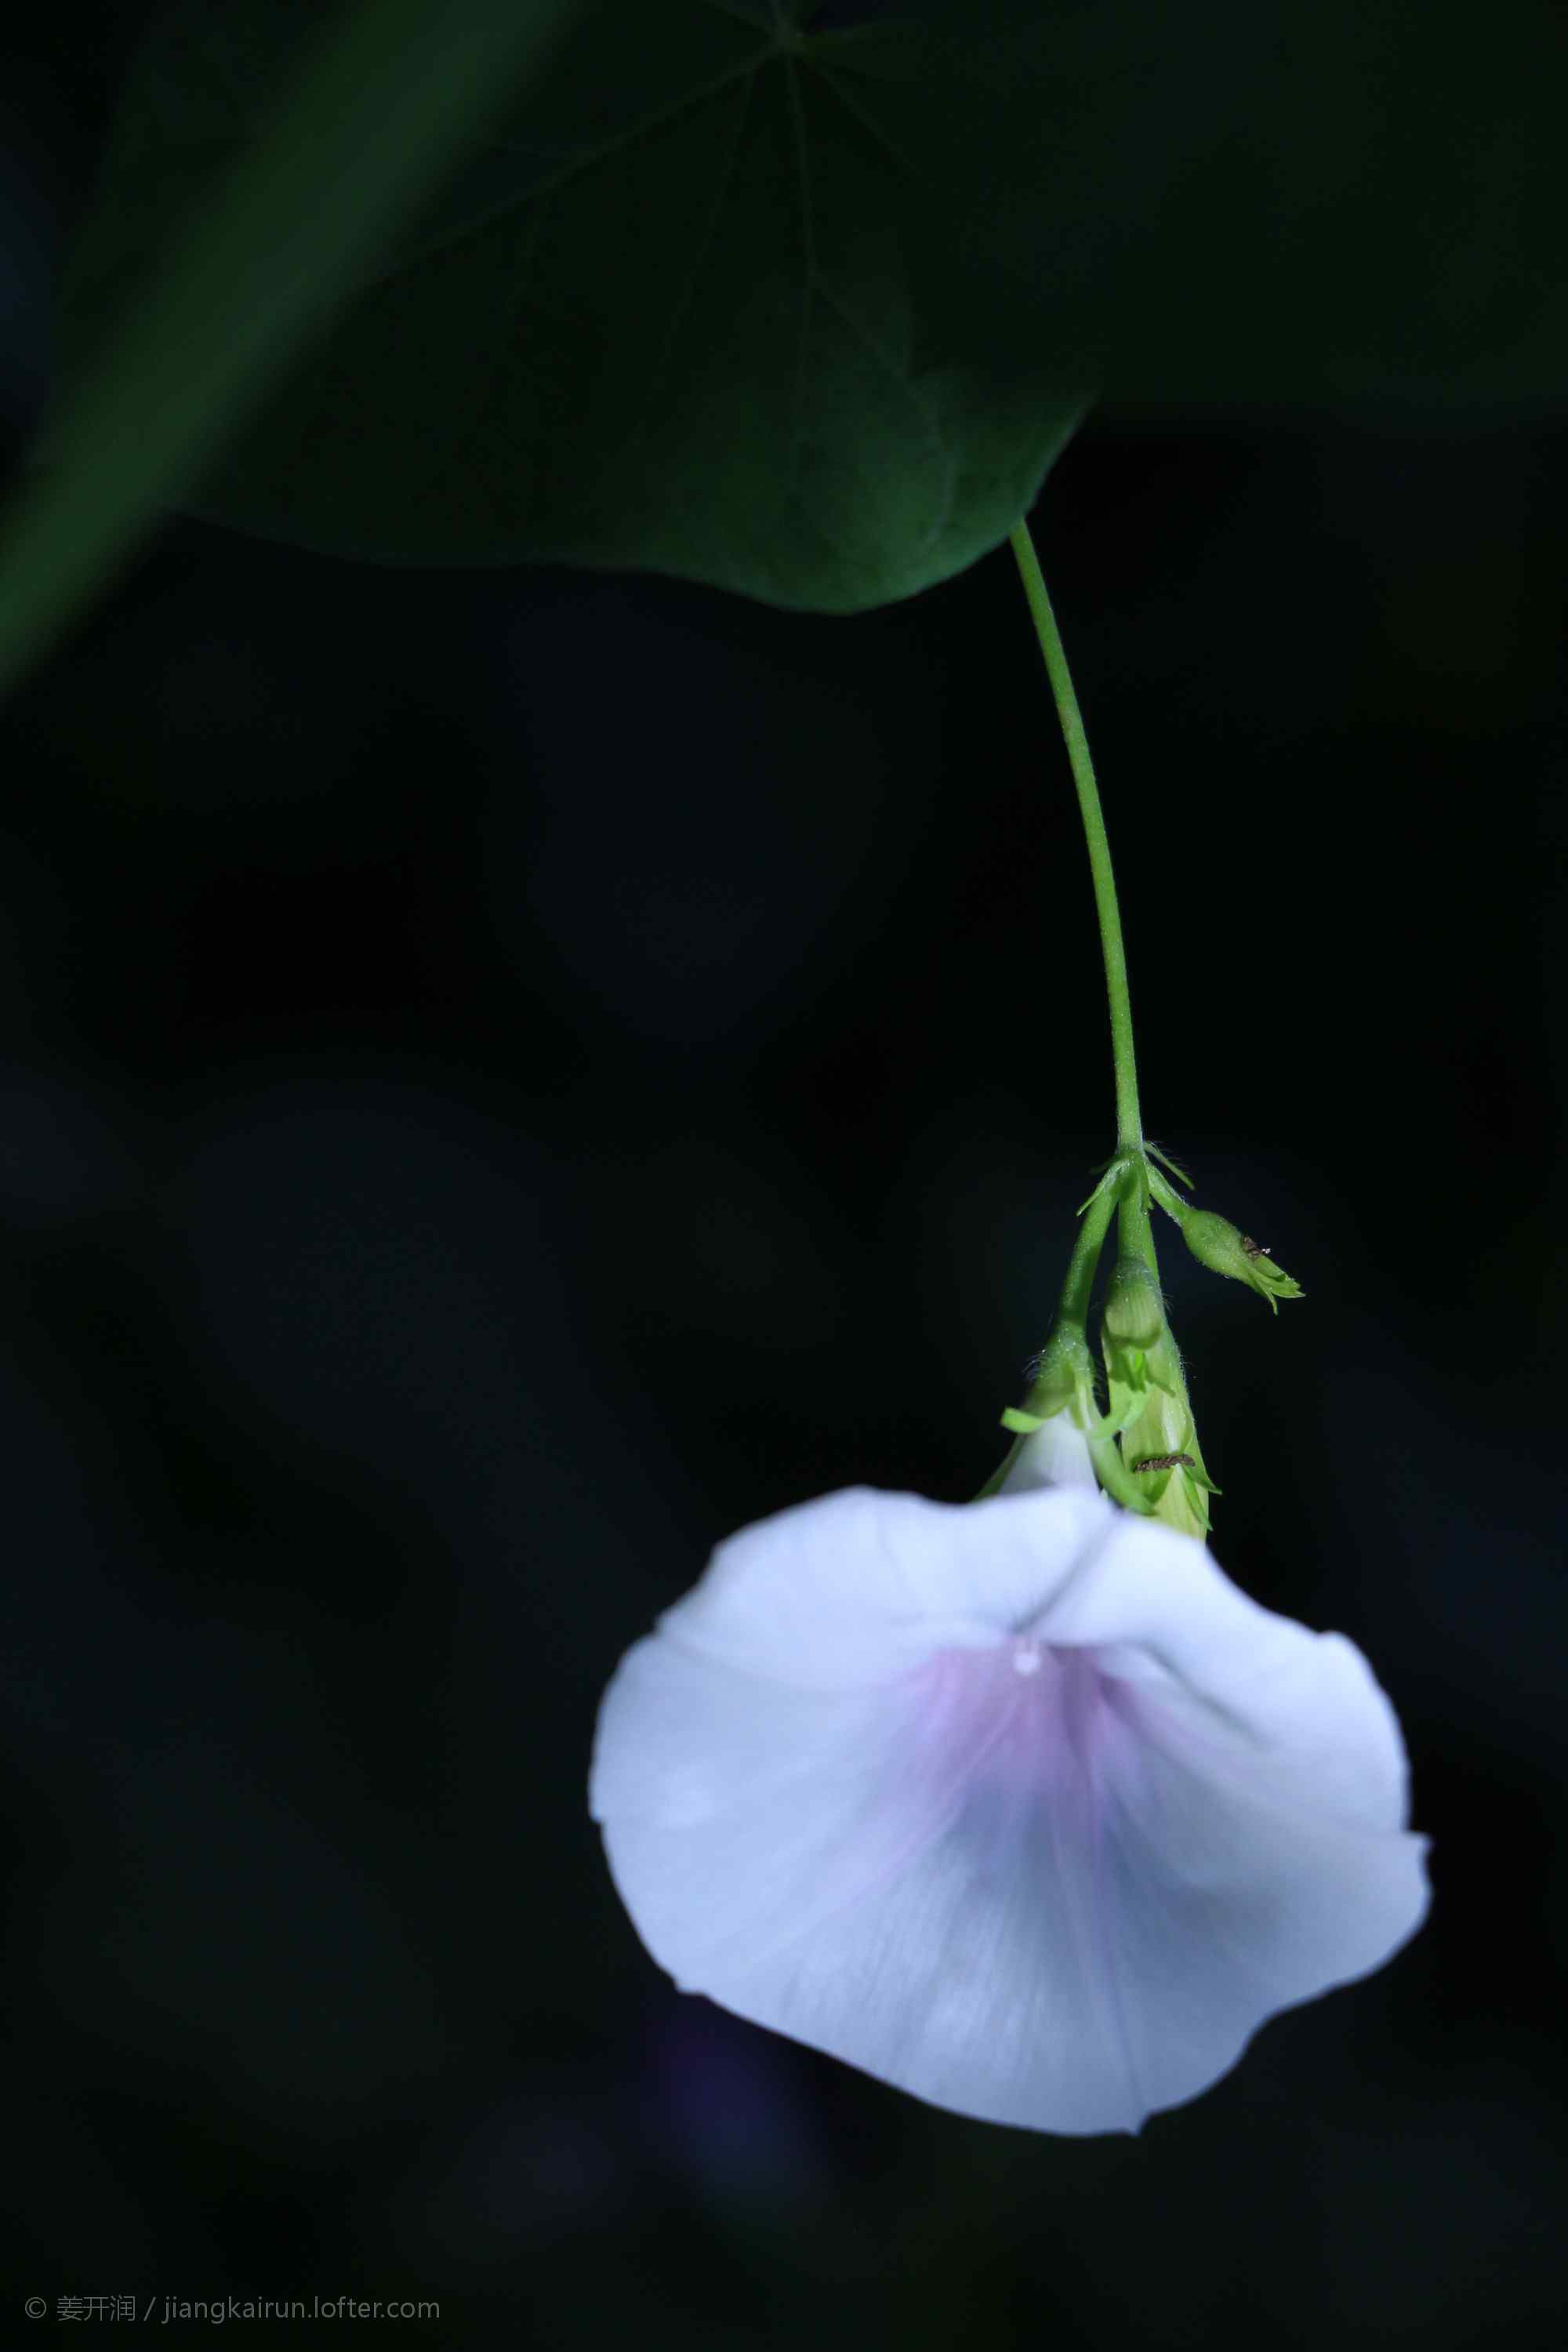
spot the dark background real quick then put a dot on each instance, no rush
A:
(505, 1076)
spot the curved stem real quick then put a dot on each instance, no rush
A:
(1092, 1229)
(1129, 1121)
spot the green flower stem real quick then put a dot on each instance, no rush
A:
(1092, 1231)
(1128, 1185)
(1128, 1122)
(1125, 1187)
(388, 98)
(1069, 1330)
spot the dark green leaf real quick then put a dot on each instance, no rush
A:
(672, 316)
(801, 301)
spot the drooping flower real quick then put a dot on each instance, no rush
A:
(1020, 1805)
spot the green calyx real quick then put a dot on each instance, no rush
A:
(1133, 1339)
(1215, 1242)
(1158, 1469)
(1133, 1315)
(1144, 1444)
(1161, 1456)
(1063, 1382)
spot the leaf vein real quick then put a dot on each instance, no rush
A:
(867, 123)
(922, 407)
(704, 246)
(583, 161)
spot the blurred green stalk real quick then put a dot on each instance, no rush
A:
(392, 93)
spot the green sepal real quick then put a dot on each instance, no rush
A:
(1164, 1426)
(1165, 1160)
(1198, 1491)
(1133, 1316)
(1215, 1242)
(1116, 1478)
(1110, 1177)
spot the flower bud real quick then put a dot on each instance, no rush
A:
(1133, 1314)
(1214, 1242)
(1159, 1448)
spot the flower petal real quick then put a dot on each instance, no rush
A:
(856, 1587)
(1054, 1455)
(1020, 1806)
(1256, 1805)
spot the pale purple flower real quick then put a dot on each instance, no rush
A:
(1020, 1804)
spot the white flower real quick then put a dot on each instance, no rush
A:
(1054, 1455)
(1020, 1805)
